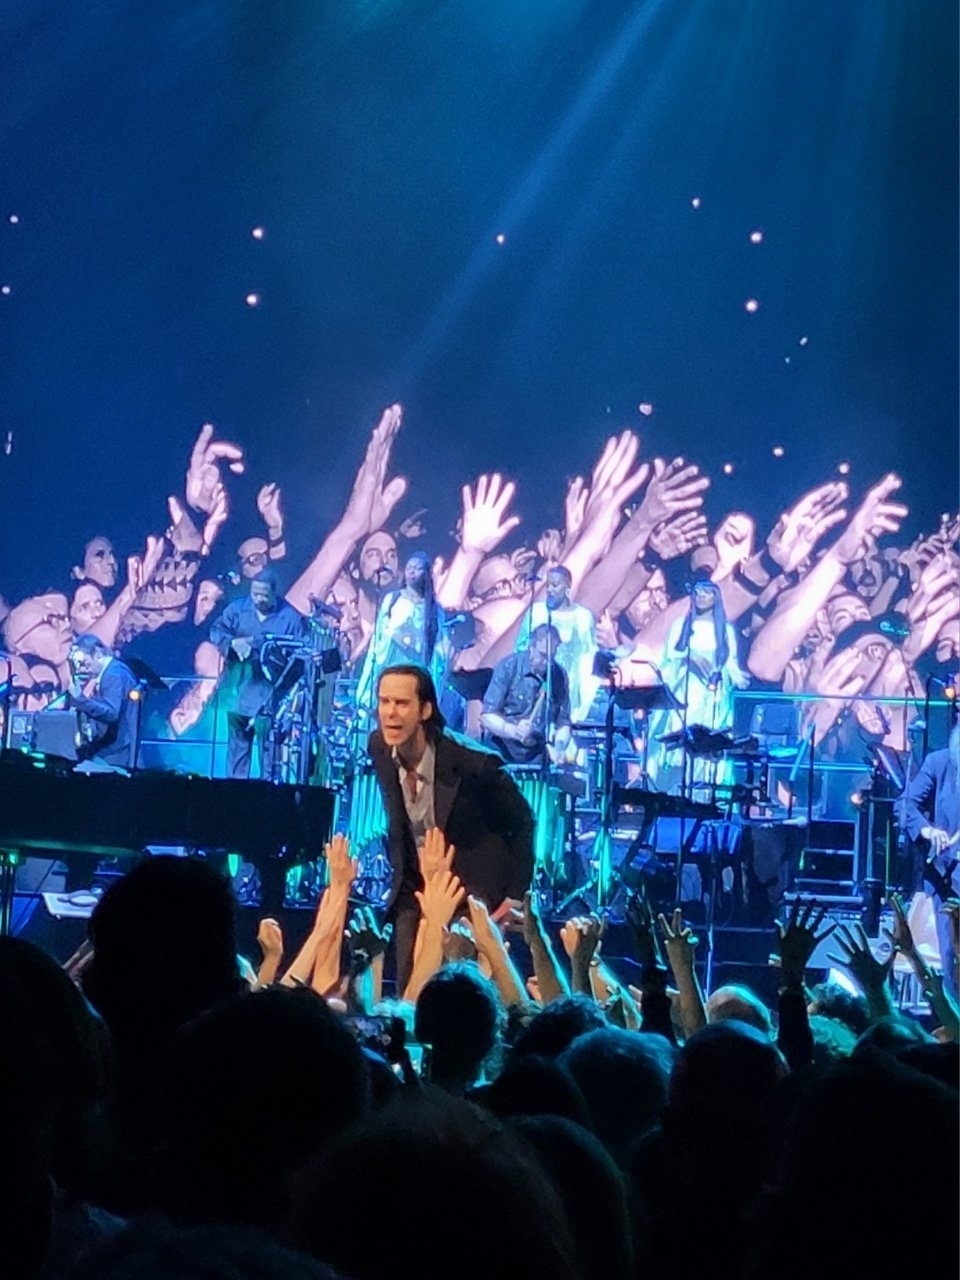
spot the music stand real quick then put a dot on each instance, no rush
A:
(652, 697)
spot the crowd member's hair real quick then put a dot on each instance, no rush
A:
(74, 1063)
(426, 692)
(533, 1086)
(735, 1003)
(892, 1033)
(458, 1016)
(164, 947)
(832, 1040)
(623, 1076)
(592, 1192)
(227, 1096)
(480, 1176)
(556, 1026)
(851, 1127)
(833, 1001)
(719, 618)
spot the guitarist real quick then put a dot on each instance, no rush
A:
(527, 704)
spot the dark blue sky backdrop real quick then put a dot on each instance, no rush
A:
(383, 144)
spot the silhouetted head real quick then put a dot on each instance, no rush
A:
(236, 1121)
(447, 1186)
(458, 1015)
(624, 1076)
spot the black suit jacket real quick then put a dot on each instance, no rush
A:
(933, 797)
(480, 810)
(113, 714)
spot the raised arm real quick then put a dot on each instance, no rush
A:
(551, 980)
(798, 607)
(483, 526)
(675, 490)
(371, 501)
(439, 899)
(271, 513)
(680, 944)
(491, 947)
(332, 916)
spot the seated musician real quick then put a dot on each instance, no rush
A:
(103, 690)
(527, 704)
(240, 633)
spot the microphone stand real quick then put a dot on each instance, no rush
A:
(548, 683)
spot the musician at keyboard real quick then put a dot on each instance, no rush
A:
(527, 703)
(104, 693)
(240, 633)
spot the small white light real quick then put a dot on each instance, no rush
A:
(728, 468)
(14, 219)
(5, 290)
(252, 299)
(500, 238)
(695, 202)
(786, 359)
(804, 340)
(645, 407)
(751, 305)
(756, 237)
(778, 451)
(258, 233)
(844, 468)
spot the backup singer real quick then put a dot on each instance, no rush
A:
(240, 634)
(408, 629)
(700, 667)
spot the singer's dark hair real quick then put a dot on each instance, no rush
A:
(719, 617)
(426, 692)
(561, 571)
(266, 575)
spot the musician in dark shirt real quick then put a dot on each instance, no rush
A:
(528, 698)
(931, 814)
(104, 692)
(241, 634)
